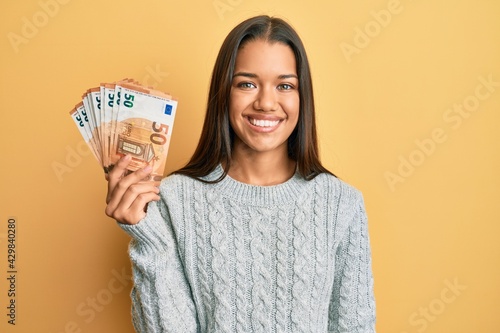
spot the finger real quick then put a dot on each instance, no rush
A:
(117, 188)
(117, 172)
(124, 200)
(137, 210)
(134, 191)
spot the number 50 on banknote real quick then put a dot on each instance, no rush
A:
(124, 118)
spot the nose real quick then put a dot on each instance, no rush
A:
(266, 100)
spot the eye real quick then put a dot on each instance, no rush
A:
(246, 85)
(285, 86)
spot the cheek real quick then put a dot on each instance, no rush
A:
(232, 109)
(238, 103)
(293, 106)
(234, 103)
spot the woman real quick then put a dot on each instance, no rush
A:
(253, 234)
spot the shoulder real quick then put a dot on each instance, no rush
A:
(174, 180)
(182, 185)
(178, 178)
(344, 202)
(176, 185)
(335, 187)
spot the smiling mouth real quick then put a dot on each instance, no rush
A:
(263, 123)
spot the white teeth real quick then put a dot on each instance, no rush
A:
(264, 123)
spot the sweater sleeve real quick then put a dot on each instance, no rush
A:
(352, 307)
(161, 296)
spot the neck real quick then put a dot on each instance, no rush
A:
(264, 169)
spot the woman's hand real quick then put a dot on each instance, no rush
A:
(128, 196)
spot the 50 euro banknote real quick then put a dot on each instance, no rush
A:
(125, 118)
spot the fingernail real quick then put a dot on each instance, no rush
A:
(148, 168)
(127, 157)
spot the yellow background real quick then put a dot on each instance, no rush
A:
(382, 89)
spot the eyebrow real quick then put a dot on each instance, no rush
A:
(252, 75)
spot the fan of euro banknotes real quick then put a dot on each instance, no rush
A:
(126, 118)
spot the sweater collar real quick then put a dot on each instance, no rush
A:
(256, 195)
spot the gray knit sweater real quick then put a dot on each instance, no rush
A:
(231, 257)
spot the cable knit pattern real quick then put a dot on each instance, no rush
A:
(320, 242)
(219, 242)
(302, 264)
(260, 266)
(284, 271)
(203, 286)
(241, 244)
(232, 257)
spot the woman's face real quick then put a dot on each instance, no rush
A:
(264, 99)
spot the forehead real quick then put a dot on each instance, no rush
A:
(266, 57)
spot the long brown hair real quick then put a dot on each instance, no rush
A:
(217, 135)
